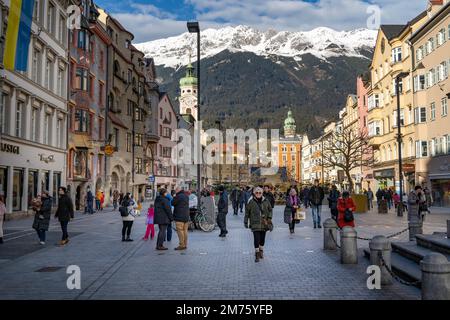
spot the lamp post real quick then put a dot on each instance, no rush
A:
(194, 27)
(218, 122)
(399, 141)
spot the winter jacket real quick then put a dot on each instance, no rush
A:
(344, 204)
(181, 207)
(235, 195)
(333, 199)
(414, 202)
(222, 204)
(150, 216)
(269, 196)
(316, 195)
(42, 216)
(89, 196)
(65, 209)
(163, 211)
(255, 213)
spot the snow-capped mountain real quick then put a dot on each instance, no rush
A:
(322, 43)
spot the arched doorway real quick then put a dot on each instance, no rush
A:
(115, 182)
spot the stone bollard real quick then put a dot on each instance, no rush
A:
(435, 277)
(381, 244)
(414, 228)
(329, 226)
(349, 248)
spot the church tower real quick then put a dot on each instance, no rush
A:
(289, 126)
(188, 90)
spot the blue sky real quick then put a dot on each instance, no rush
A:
(155, 19)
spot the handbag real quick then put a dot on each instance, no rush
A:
(300, 215)
(348, 215)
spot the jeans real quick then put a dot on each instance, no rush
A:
(65, 235)
(259, 238)
(126, 229)
(168, 234)
(316, 213)
(369, 204)
(115, 204)
(161, 234)
(222, 222)
(41, 235)
(182, 232)
(241, 205)
(90, 207)
(235, 207)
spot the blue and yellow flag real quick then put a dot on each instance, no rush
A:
(18, 34)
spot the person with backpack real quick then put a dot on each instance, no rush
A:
(42, 207)
(316, 196)
(64, 213)
(163, 217)
(127, 211)
(346, 208)
(333, 199)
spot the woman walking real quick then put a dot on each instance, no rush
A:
(163, 217)
(292, 204)
(2, 215)
(64, 213)
(128, 219)
(258, 216)
(346, 207)
(42, 208)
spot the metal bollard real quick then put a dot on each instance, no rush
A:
(380, 244)
(414, 228)
(349, 247)
(329, 226)
(448, 229)
(435, 277)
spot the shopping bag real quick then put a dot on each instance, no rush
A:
(300, 215)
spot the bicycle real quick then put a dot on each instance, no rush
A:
(204, 221)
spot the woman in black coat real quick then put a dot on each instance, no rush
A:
(163, 217)
(43, 211)
(64, 213)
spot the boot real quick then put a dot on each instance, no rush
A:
(315, 226)
(261, 253)
(257, 256)
(320, 227)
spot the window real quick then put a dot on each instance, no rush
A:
(59, 133)
(139, 166)
(130, 108)
(167, 152)
(20, 112)
(447, 138)
(433, 111)
(91, 86)
(444, 107)
(127, 44)
(36, 11)
(36, 66)
(394, 85)
(49, 74)
(101, 62)
(374, 101)
(81, 79)
(34, 124)
(396, 55)
(61, 82)
(83, 40)
(167, 132)
(3, 112)
(51, 18)
(419, 83)
(441, 37)
(402, 118)
(62, 29)
(430, 46)
(138, 138)
(47, 129)
(421, 149)
(431, 78)
(130, 75)
(420, 115)
(419, 54)
(82, 121)
(100, 93)
(442, 71)
(129, 141)
(116, 137)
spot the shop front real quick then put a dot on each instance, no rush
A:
(384, 178)
(26, 171)
(440, 189)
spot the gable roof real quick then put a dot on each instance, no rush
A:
(392, 30)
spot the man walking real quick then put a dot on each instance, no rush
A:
(316, 196)
(90, 201)
(269, 196)
(181, 216)
(222, 207)
(241, 199)
(235, 195)
(369, 199)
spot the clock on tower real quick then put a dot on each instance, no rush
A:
(188, 89)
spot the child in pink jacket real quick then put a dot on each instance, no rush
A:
(150, 223)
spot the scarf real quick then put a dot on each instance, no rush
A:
(294, 200)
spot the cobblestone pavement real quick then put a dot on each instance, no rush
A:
(295, 266)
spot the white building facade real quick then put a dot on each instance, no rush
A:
(33, 111)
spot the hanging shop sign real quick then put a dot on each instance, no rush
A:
(109, 150)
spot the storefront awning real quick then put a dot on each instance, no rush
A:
(439, 176)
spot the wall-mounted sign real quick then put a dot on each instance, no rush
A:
(5, 147)
(109, 149)
(388, 173)
(409, 167)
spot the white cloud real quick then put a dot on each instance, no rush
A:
(150, 23)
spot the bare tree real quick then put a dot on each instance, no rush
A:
(347, 149)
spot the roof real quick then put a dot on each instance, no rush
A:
(430, 23)
(392, 30)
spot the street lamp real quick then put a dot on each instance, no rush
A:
(219, 122)
(194, 27)
(398, 78)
